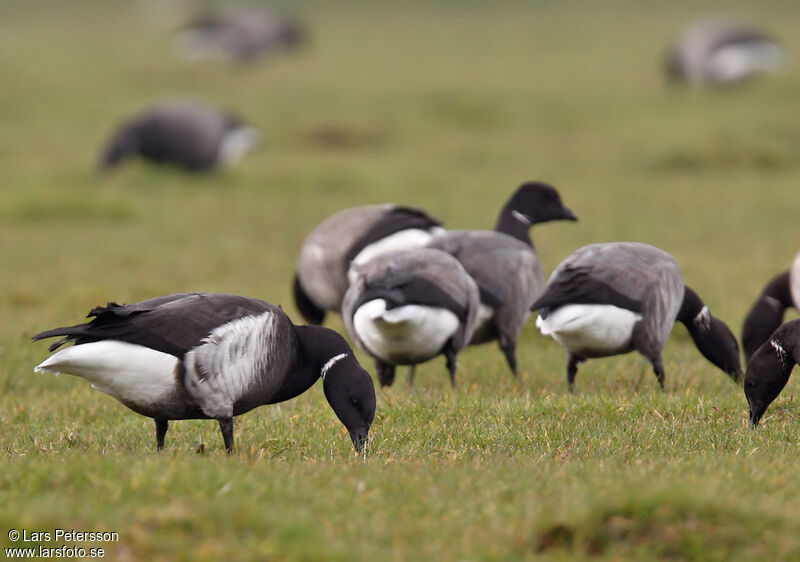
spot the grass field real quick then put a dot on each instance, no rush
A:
(449, 107)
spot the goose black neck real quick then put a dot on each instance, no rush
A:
(314, 346)
(517, 225)
(778, 288)
(691, 309)
(786, 341)
(766, 314)
(319, 344)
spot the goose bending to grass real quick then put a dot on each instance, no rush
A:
(769, 368)
(211, 356)
(766, 314)
(182, 133)
(504, 264)
(721, 52)
(613, 298)
(349, 238)
(239, 33)
(407, 307)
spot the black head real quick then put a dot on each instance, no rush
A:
(770, 367)
(531, 203)
(125, 143)
(767, 374)
(539, 202)
(351, 394)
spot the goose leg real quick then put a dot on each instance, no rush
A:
(385, 372)
(412, 369)
(658, 369)
(572, 369)
(509, 348)
(226, 425)
(161, 431)
(452, 364)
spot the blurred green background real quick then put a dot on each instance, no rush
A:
(448, 106)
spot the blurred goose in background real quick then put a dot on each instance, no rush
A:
(769, 368)
(408, 306)
(182, 133)
(766, 314)
(239, 33)
(352, 237)
(720, 52)
(613, 298)
(504, 264)
(211, 355)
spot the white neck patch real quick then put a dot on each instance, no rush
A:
(521, 218)
(703, 319)
(330, 363)
(779, 351)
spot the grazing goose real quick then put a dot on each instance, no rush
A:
(766, 314)
(240, 34)
(352, 237)
(210, 355)
(504, 264)
(769, 369)
(182, 133)
(408, 306)
(609, 299)
(720, 52)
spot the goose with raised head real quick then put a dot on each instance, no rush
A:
(505, 265)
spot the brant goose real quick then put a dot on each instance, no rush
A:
(211, 355)
(769, 369)
(504, 264)
(720, 52)
(239, 34)
(408, 306)
(608, 299)
(182, 133)
(352, 237)
(766, 314)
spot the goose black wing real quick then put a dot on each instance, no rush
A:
(622, 274)
(401, 288)
(397, 219)
(172, 324)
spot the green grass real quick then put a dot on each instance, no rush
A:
(449, 107)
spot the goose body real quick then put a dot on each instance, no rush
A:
(240, 34)
(353, 237)
(721, 52)
(406, 307)
(766, 314)
(504, 264)
(210, 355)
(612, 298)
(769, 368)
(184, 134)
